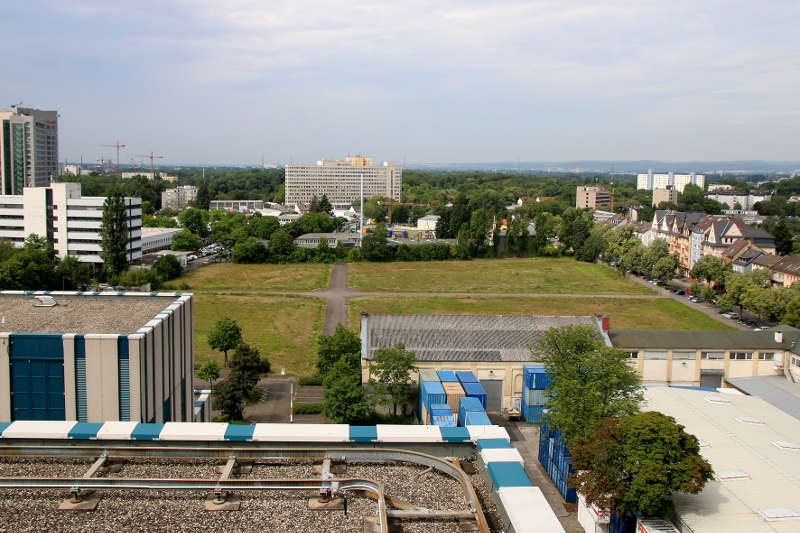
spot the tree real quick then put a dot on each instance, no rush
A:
(783, 237)
(633, 464)
(194, 220)
(592, 248)
(249, 251)
(391, 368)
(709, 294)
(314, 206)
(281, 244)
(323, 253)
(479, 233)
(186, 241)
(325, 205)
(229, 398)
(463, 243)
(374, 246)
(589, 380)
(664, 268)
(331, 348)
(167, 267)
(711, 268)
(246, 367)
(73, 274)
(344, 401)
(203, 200)
(31, 268)
(114, 234)
(225, 335)
(792, 314)
(7, 249)
(209, 372)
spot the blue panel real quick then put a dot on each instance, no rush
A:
(454, 434)
(363, 433)
(466, 377)
(38, 345)
(37, 376)
(484, 444)
(447, 376)
(80, 377)
(146, 431)
(83, 430)
(443, 421)
(123, 376)
(477, 418)
(508, 474)
(239, 432)
(3, 426)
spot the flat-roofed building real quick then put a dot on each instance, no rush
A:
(591, 197)
(340, 181)
(155, 239)
(334, 239)
(95, 357)
(28, 148)
(667, 195)
(653, 180)
(745, 200)
(236, 206)
(70, 222)
(179, 197)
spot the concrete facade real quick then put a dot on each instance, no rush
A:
(340, 181)
(69, 221)
(669, 195)
(179, 197)
(745, 200)
(651, 180)
(155, 239)
(591, 197)
(28, 148)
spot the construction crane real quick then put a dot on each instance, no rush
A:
(151, 157)
(390, 204)
(117, 146)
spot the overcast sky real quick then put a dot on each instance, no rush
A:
(460, 81)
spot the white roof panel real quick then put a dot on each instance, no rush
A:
(193, 431)
(116, 430)
(302, 432)
(38, 429)
(528, 510)
(398, 433)
(504, 455)
(487, 432)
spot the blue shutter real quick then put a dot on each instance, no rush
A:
(80, 377)
(123, 373)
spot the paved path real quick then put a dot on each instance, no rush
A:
(273, 406)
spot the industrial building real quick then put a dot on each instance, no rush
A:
(28, 148)
(155, 239)
(341, 181)
(70, 222)
(95, 357)
(179, 197)
(591, 197)
(236, 206)
(651, 181)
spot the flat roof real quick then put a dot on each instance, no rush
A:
(103, 313)
(699, 340)
(777, 390)
(745, 433)
(152, 232)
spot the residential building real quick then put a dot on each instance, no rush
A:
(592, 197)
(69, 221)
(335, 239)
(96, 357)
(746, 200)
(236, 205)
(741, 255)
(494, 348)
(28, 148)
(651, 180)
(719, 187)
(155, 239)
(667, 195)
(786, 270)
(149, 175)
(179, 197)
(341, 181)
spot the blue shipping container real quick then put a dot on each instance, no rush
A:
(475, 390)
(534, 397)
(465, 405)
(529, 375)
(465, 376)
(446, 376)
(432, 392)
(442, 412)
(435, 406)
(428, 375)
(532, 413)
(477, 418)
(444, 421)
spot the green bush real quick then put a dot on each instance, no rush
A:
(308, 408)
(316, 379)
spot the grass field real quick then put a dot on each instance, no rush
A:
(656, 313)
(233, 277)
(284, 328)
(537, 275)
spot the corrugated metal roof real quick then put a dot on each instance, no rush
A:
(776, 390)
(465, 337)
(701, 340)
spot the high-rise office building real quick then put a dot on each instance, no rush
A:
(28, 148)
(340, 181)
(179, 197)
(651, 180)
(592, 197)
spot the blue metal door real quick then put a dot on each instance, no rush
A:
(37, 377)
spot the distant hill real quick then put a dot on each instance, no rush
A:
(755, 166)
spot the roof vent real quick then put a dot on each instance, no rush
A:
(728, 475)
(45, 301)
(778, 513)
(749, 420)
(717, 399)
(703, 444)
(786, 445)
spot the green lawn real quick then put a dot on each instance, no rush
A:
(233, 277)
(284, 328)
(536, 275)
(656, 313)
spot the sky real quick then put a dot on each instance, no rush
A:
(207, 82)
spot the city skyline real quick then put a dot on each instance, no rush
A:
(421, 82)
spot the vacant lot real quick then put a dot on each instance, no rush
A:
(284, 328)
(656, 313)
(537, 275)
(232, 277)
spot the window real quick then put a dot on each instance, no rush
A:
(712, 356)
(742, 356)
(766, 356)
(796, 362)
(633, 355)
(676, 356)
(655, 355)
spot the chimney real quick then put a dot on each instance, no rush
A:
(779, 337)
(606, 323)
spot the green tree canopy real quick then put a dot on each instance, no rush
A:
(636, 462)
(225, 335)
(194, 220)
(711, 268)
(331, 348)
(281, 244)
(203, 200)
(374, 246)
(114, 234)
(344, 400)
(186, 241)
(792, 314)
(390, 376)
(589, 380)
(167, 267)
(209, 372)
(249, 251)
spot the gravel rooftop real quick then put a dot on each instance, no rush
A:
(81, 314)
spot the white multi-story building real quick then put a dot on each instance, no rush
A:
(340, 181)
(179, 197)
(69, 221)
(745, 199)
(652, 180)
(28, 148)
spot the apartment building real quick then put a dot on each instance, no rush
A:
(69, 221)
(746, 200)
(236, 206)
(668, 195)
(591, 197)
(28, 148)
(651, 180)
(340, 181)
(179, 197)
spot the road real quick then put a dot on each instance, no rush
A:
(273, 406)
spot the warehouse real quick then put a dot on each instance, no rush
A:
(752, 447)
(95, 357)
(494, 348)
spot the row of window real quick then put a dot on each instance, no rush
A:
(706, 356)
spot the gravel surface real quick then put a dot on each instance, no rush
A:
(81, 314)
(489, 508)
(414, 484)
